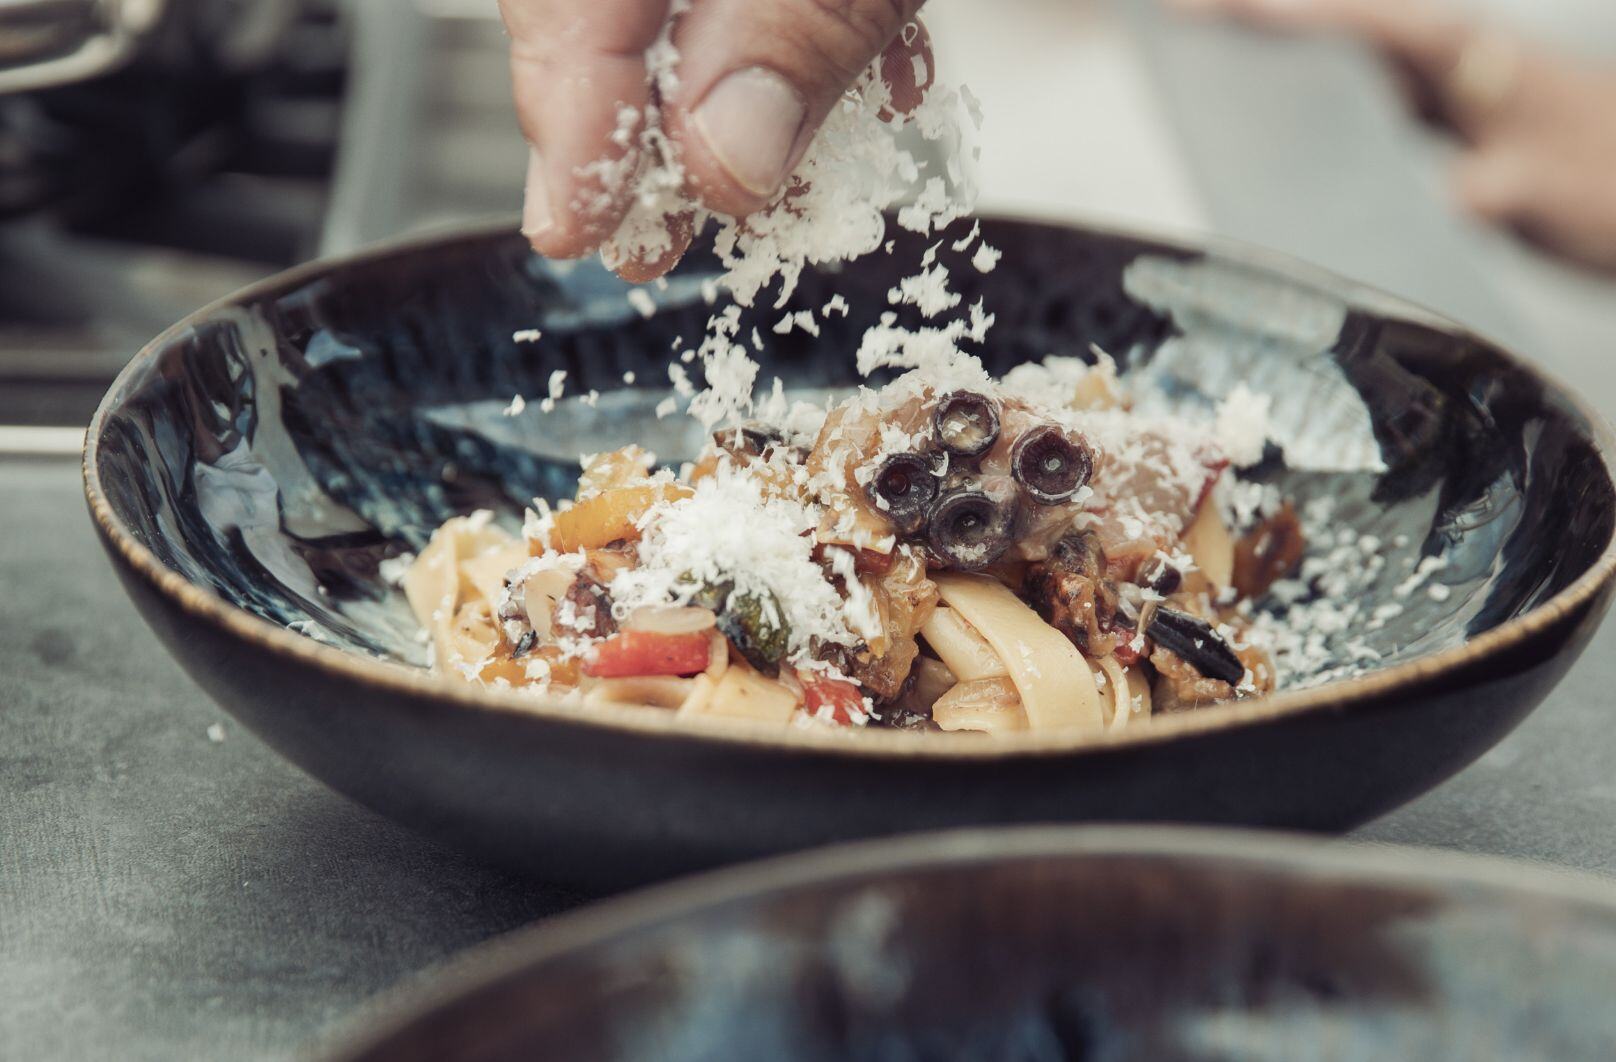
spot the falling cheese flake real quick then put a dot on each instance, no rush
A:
(517, 404)
(927, 291)
(555, 389)
(1242, 425)
(527, 335)
(985, 258)
(962, 244)
(641, 300)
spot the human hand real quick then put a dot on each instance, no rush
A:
(1540, 146)
(755, 80)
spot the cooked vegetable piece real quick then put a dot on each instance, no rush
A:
(903, 489)
(968, 530)
(609, 516)
(1193, 640)
(903, 600)
(842, 701)
(635, 653)
(1268, 552)
(754, 624)
(1053, 680)
(967, 423)
(1050, 464)
(1071, 592)
(1161, 576)
(627, 467)
(585, 609)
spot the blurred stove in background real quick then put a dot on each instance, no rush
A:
(129, 198)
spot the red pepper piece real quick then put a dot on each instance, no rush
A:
(630, 654)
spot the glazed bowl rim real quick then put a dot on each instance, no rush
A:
(658, 723)
(1277, 854)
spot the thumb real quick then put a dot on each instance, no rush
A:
(756, 78)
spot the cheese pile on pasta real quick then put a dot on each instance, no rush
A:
(946, 552)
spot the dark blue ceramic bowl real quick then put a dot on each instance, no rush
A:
(1051, 945)
(254, 465)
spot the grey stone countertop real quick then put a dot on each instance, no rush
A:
(167, 895)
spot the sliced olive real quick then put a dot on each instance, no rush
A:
(969, 530)
(967, 423)
(1161, 576)
(1080, 553)
(1194, 641)
(903, 489)
(1050, 465)
(524, 645)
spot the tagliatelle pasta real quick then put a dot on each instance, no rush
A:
(1001, 557)
(1050, 676)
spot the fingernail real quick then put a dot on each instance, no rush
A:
(750, 121)
(536, 216)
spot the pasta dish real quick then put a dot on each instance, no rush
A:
(948, 551)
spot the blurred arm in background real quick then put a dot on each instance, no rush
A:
(1538, 125)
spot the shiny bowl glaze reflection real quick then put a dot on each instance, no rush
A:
(256, 463)
(1172, 945)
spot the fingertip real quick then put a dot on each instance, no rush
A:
(550, 234)
(641, 269)
(908, 68)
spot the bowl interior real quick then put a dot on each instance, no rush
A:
(278, 448)
(1016, 946)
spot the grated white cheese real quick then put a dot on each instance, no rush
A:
(1242, 425)
(517, 404)
(641, 300)
(393, 569)
(927, 290)
(729, 530)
